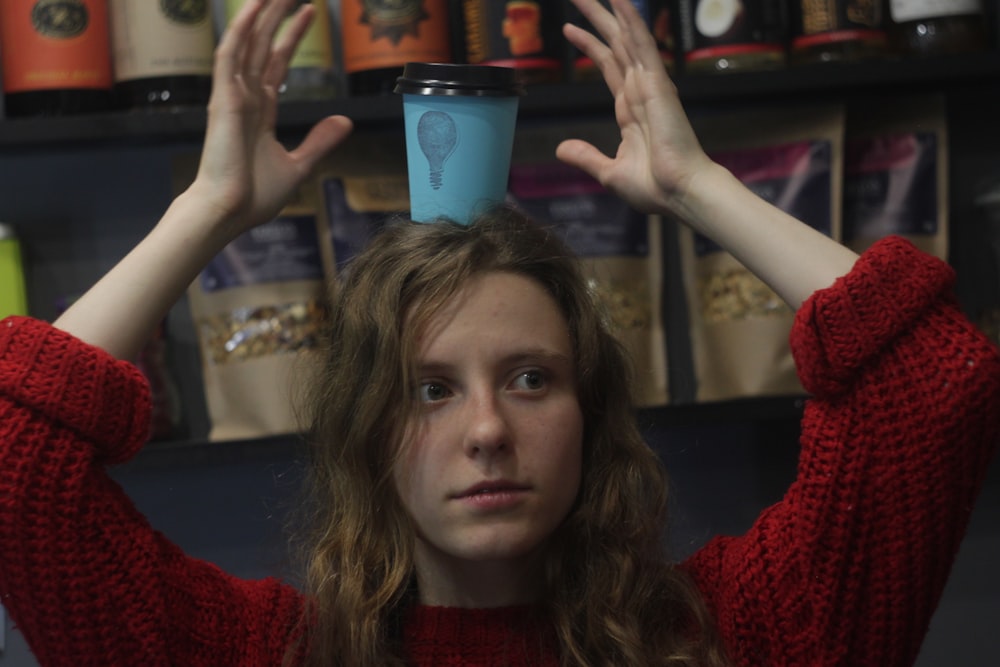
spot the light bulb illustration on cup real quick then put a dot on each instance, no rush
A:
(437, 135)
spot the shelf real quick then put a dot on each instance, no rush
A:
(205, 452)
(565, 99)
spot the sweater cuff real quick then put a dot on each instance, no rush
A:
(840, 328)
(77, 385)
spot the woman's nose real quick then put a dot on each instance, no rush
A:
(487, 430)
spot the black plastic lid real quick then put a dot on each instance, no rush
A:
(458, 79)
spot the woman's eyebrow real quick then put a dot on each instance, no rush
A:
(541, 356)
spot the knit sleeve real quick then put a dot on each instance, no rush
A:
(849, 566)
(84, 576)
(53, 374)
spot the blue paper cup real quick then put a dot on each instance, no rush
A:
(459, 123)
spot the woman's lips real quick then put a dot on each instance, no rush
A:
(493, 495)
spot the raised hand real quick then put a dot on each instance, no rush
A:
(659, 153)
(244, 179)
(245, 172)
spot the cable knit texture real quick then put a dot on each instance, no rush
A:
(845, 570)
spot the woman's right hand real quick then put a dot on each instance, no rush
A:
(246, 175)
(244, 179)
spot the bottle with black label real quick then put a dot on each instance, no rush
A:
(379, 37)
(56, 56)
(720, 36)
(162, 52)
(929, 27)
(838, 30)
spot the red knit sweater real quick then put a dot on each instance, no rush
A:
(846, 569)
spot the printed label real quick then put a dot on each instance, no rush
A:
(285, 249)
(707, 25)
(592, 221)
(379, 33)
(820, 16)
(890, 186)
(794, 177)
(163, 38)
(357, 208)
(55, 44)
(914, 10)
(314, 49)
(504, 33)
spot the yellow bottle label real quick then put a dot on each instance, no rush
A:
(315, 49)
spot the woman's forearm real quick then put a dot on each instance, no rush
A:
(791, 257)
(120, 312)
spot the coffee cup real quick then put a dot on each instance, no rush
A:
(459, 125)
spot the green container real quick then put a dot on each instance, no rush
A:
(13, 298)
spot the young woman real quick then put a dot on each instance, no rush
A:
(480, 493)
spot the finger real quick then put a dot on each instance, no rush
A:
(284, 50)
(262, 39)
(599, 17)
(598, 52)
(610, 26)
(322, 138)
(583, 155)
(636, 39)
(231, 51)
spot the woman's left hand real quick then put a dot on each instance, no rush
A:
(659, 154)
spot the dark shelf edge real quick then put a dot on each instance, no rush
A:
(576, 99)
(291, 446)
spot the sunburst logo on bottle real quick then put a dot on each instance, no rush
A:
(390, 33)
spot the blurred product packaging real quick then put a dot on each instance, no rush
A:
(13, 295)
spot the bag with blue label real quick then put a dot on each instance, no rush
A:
(256, 309)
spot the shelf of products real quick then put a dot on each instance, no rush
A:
(577, 99)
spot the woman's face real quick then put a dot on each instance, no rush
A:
(494, 463)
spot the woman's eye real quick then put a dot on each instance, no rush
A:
(433, 391)
(530, 381)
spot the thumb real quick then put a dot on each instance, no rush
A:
(324, 136)
(583, 155)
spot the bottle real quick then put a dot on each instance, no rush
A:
(13, 299)
(720, 36)
(56, 56)
(931, 27)
(311, 73)
(380, 37)
(838, 30)
(161, 52)
(522, 34)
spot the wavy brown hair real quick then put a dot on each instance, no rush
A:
(611, 594)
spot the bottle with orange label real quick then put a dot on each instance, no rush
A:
(380, 37)
(56, 56)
